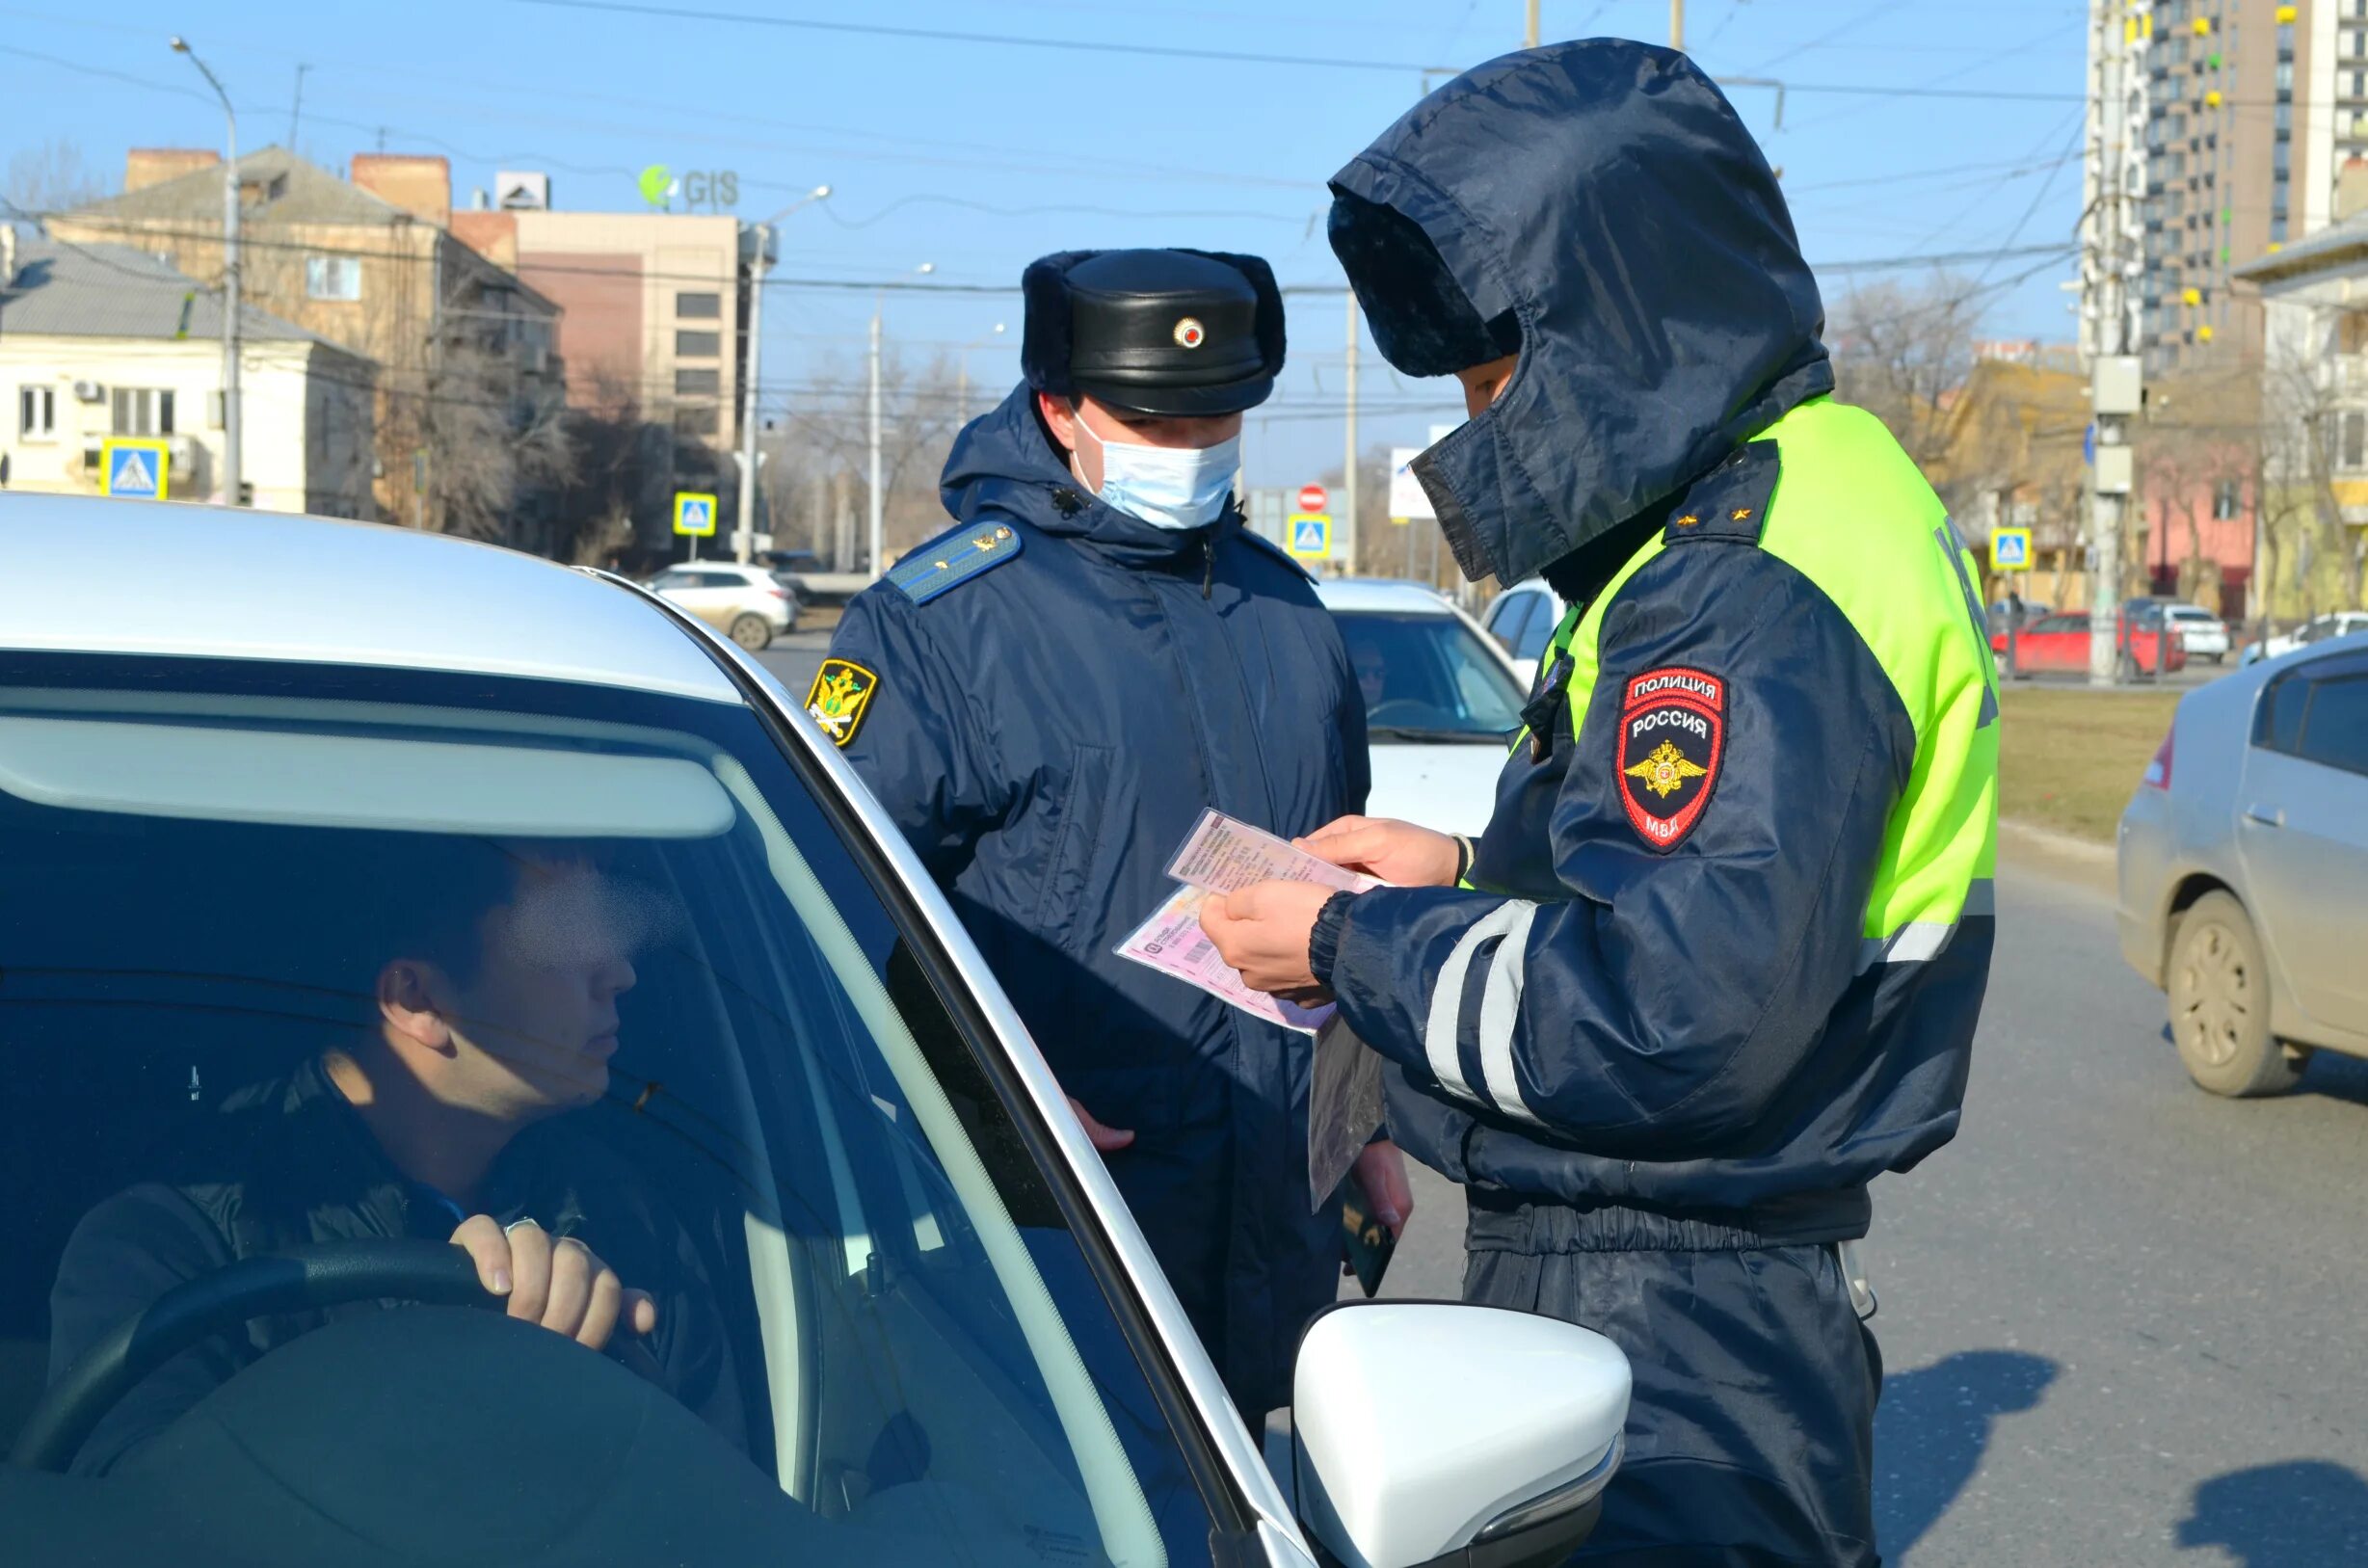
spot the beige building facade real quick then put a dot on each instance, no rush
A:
(371, 265)
(101, 342)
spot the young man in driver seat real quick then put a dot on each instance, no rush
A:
(496, 1013)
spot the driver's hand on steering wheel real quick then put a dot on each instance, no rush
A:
(559, 1283)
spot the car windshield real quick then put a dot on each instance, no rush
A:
(316, 962)
(1430, 677)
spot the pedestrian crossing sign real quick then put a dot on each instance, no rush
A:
(1307, 535)
(2011, 549)
(137, 468)
(694, 513)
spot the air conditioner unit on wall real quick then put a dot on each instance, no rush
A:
(89, 392)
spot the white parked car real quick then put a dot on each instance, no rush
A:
(303, 793)
(2203, 634)
(751, 604)
(1442, 700)
(2340, 624)
(1522, 619)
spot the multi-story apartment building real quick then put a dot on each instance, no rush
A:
(2256, 136)
(469, 384)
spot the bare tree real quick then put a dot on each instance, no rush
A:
(826, 440)
(619, 466)
(489, 443)
(52, 177)
(1900, 351)
(2309, 425)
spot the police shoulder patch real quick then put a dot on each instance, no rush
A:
(839, 698)
(1672, 740)
(952, 559)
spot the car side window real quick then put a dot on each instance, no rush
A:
(2336, 725)
(1545, 616)
(1510, 616)
(2277, 723)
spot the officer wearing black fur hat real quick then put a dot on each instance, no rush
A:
(1048, 694)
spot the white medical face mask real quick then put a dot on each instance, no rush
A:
(1168, 487)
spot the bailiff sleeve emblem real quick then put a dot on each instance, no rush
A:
(1672, 737)
(838, 698)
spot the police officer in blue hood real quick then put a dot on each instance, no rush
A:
(1048, 694)
(1715, 967)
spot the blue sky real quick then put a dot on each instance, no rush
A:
(977, 155)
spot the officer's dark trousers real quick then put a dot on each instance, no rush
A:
(1751, 1437)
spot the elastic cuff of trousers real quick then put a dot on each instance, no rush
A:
(1323, 943)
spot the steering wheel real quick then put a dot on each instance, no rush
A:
(1404, 712)
(327, 1274)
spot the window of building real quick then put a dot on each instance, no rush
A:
(143, 411)
(36, 412)
(333, 277)
(695, 421)
(698, 382)
(2281, 156)
(693, 307)
(2224, 501)
(2278, 231)
(691, 345)
(2351, 440)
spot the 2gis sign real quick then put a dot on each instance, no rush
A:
(711, 190)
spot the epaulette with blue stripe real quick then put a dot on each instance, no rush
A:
(952, 559)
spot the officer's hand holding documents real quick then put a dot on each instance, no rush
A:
(1221, 855)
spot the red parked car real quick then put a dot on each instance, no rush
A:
(2060, 644)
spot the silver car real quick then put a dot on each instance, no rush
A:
(2243, 869)
(364, 891)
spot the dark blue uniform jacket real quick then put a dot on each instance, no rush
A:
(1046, 731)
(1697, 1028)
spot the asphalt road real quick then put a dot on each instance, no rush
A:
(2122, 1319)
(796, 658)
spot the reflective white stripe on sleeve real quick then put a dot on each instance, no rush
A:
(1920, 941)
(1500, 1013)
(1447, 996)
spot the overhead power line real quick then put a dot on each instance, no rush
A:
(1164, 51)
(135, 228)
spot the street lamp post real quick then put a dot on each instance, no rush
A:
(878, 300)
(961, 373)
(745, 535)
(232, 453)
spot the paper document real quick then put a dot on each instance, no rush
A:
(1343, 1107)
(1223, 854)
(1219, 856)
(1172, 943)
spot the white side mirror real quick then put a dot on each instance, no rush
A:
(1425, 1429)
